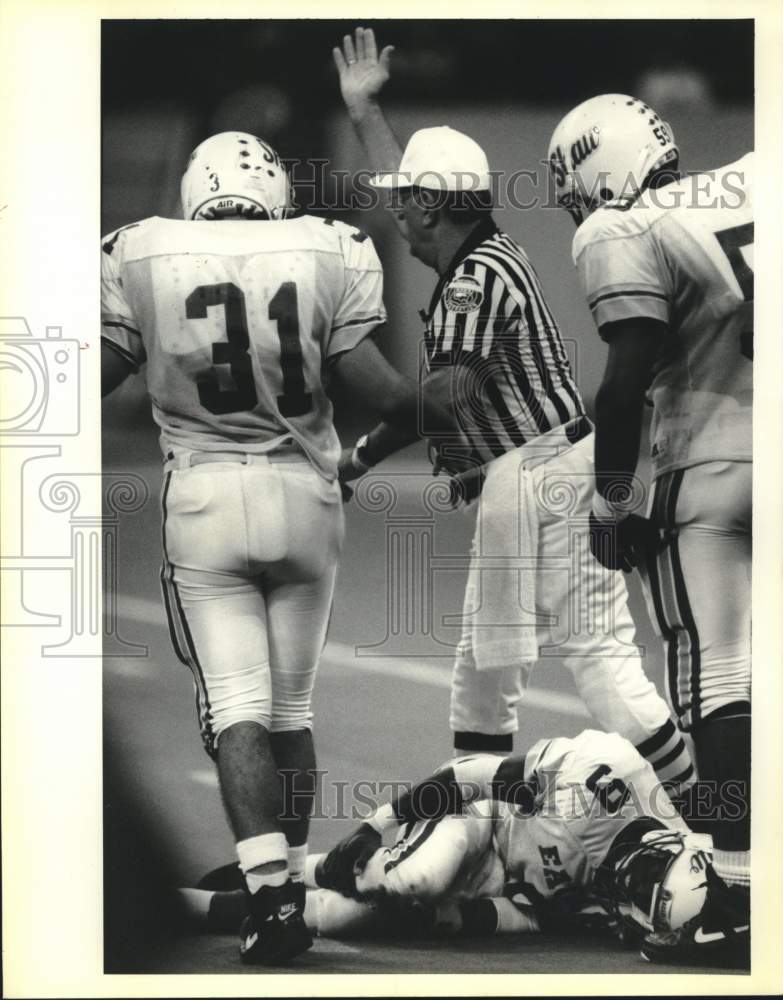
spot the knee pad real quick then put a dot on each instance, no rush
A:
(722, 682)
(243, 695)
(291, 712)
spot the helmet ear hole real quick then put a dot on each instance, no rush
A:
(606, 194)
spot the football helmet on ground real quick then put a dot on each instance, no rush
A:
(657, 883)
(235, 175)
(608, 148)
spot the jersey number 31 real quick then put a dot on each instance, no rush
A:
(235, 350)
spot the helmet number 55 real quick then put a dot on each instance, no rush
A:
(235, 350)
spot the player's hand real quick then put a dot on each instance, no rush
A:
(363, 72)
(621, 544)
(348, 859)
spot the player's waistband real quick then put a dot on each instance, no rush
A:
(189, 459)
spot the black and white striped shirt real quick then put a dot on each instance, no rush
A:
(488, 316)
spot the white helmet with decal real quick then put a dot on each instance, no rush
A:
(235, 175)
(607, 148)
(659, 883)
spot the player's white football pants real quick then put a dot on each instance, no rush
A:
(698, 587)
(583, 614)
(249, 561)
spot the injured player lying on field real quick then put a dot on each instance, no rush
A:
(577, 834)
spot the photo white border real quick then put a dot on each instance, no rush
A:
(51, 709)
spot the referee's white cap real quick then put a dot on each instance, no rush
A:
(440, 159)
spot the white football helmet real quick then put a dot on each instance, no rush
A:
(659, 883)
(607, 148)
(235, 175)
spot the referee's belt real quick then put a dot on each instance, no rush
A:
(466, 486)
(548, 445)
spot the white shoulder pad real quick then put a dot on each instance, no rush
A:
(355, 246)
(615, 220)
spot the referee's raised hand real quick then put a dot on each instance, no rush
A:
(362, 71)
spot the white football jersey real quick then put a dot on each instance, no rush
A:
(591, 787)
(683, 254)
(236, 321)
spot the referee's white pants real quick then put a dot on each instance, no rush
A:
(250, 558)
(585, 607)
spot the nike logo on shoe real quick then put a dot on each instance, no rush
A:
(701, 936)
(248, 943)
(287, 911)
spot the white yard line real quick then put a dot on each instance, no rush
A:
(342, 656)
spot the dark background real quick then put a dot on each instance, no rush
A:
(276, 78)
(548, 62)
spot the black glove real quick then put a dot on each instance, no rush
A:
(338, 870)
(621, 544)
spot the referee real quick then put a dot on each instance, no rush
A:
(494, 349)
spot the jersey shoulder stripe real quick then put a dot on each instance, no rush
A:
(133, 361)
(625, 293)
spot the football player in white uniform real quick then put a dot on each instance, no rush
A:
(237, 310)
(533, 586)
(666, 264)
(575, 835)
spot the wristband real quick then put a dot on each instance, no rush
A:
(361, 463)
(383, 819)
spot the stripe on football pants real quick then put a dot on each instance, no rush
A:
(181, 636)
(407, 847)
(672, 605)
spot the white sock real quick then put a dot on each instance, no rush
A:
(297, 856)
(309, 870)
(732, 866)
(258, 854)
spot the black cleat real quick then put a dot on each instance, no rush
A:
(719, 936)
(275, 932)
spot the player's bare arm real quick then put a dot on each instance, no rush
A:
(633, 349)
(114, 369)
(402, 405)
(438, 402)
(617, 539)
(372, 381)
